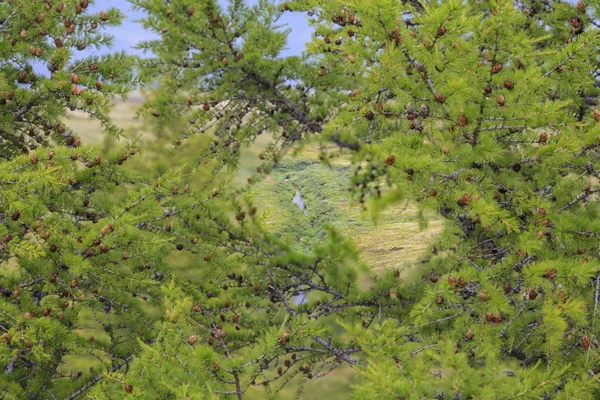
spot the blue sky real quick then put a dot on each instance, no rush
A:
(130, 33)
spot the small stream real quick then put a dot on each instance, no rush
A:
(300, 202)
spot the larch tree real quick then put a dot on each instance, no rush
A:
(484, 111)
(52, 188)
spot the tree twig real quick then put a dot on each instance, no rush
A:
(97, 379)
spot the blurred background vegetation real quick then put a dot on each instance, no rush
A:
(397, 239)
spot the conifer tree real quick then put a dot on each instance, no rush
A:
(484, 111)
(88, 244)
(43, 74)
(51, 199)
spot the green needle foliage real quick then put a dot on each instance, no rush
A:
(164, 283)
(43, 75)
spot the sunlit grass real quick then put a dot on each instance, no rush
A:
(394, 240)
(123, 115)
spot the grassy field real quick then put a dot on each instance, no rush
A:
(122, 115)
(395, 240)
